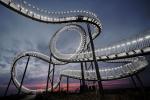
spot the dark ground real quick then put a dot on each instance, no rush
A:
(124, 94)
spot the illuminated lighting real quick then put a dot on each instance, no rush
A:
(30, 12)
(114, 47)
(49, 19)
(118, 46)
(123, 45)
(85, 18)
(128, 43)
(101, 49)
(115, 68)
(42, 16)
(55, 19)
(147, 37)
(140, 39)
(68, 18)
(18, 6)
(84, 11)
(22, 8)
(109, 48)
(89, 19)
(45, 17)
(26, 10)
(134, 41)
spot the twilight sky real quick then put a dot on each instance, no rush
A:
(121, 19)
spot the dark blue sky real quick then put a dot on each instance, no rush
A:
(121, 19)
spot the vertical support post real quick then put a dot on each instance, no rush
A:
(96, 64)
(7, 86)
(140, 81)
(134, 82)
(60, 84)
(89, 48)
(86, 66)
(67, 84)
(59, 87)
(83, 79)
(49, 68)
(23, 75)
(92, 65)
(80, 84)
(142, 86)
(53, 77)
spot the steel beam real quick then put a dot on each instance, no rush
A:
(8, 86)
(67, 84)
(53, 77)
(101, 91)
(48, 77)
(23, 75)
(83, 79)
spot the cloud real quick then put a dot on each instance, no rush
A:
(37, 69)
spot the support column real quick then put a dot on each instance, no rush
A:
(23, 75)
(7, 86)
(142, 86)
(48, 77)
(67, 84)
(53, 77)
(134, 82)
(92, 66)
(60, 84)
(80, 84)
(96, 64)
(83, 79)
(140, 81)
(86, 68)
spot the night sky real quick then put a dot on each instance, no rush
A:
(121, 19)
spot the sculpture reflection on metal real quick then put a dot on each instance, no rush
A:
(130, 51)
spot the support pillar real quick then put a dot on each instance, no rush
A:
(86, 68)
(101, 92)
(83, 79)
(48, 77)
(134, 82)
(53, 77)
(67, 84)
(23, 75)
(60, 84)
(8, 86)
(142, 86)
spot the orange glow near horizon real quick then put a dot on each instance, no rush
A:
(76, 86)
